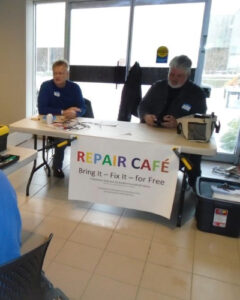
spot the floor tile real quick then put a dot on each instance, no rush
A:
(38, 206)
(69, 210)
(58, 226)
(209, 289)
(30, 220)
(108, 208)
(216, 267)
(103, 288)
(129, 246)
(54, 192)
(71, 281)
(183, 236)
(91, 235)
(217, 245)
(34, 188)
(102, 219)
(21, 199)
(144, 294)
(167, 281)
(171, 256)
(140, 224)
(119, 267)
(79, 256)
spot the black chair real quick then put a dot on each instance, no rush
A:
(23, 279)
(89, 110)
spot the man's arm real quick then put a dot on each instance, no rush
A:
(79, 107)
(145, 106)
(80, 102)
(153, 103)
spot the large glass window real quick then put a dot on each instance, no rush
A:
(222, 72)
(180, 33)
(158, 29)
(99, 33)
(99, 37)
(50, 21)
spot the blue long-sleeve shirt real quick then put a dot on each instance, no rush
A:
(52, 99)
(10, 222)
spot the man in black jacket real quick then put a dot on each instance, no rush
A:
(173, 98)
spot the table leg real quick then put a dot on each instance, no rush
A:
(35, 167)
(44, 157)
(182, 196)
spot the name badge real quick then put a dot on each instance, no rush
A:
(56, 93)
(186, 107)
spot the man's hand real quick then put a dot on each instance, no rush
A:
(71, 112)
(169, 122)
(150, 119)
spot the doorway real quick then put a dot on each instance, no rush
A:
(129, 31)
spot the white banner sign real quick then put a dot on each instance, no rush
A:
(135, 175)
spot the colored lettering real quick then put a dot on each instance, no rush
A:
(80, 156)
(134, 164)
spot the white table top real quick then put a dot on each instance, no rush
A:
(26, 156)
(118, 130)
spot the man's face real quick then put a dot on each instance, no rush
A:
(177, 77)
(60, 75)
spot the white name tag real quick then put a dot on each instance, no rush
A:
(186, 107)
(56, 93)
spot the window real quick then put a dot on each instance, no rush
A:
(50, 22)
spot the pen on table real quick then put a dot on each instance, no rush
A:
(183, 159)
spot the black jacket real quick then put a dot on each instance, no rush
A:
(131, 94)
(190, 100)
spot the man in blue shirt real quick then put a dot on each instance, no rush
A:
(60, 96)
(10, 222)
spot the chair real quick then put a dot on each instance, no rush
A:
(89, 110)
(22, 279)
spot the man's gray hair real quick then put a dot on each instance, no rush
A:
(181, 62)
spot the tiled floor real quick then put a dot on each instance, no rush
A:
(101, 252)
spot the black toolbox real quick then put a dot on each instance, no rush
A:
(217, 215)
(3, 137)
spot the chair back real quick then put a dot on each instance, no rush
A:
(89, 110)
(20, 278)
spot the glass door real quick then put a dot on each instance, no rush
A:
(98, 37)
(110, 33)
(177, 26)
(222, 73)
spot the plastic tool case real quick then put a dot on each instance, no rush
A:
(3, 137)
(218, 216)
